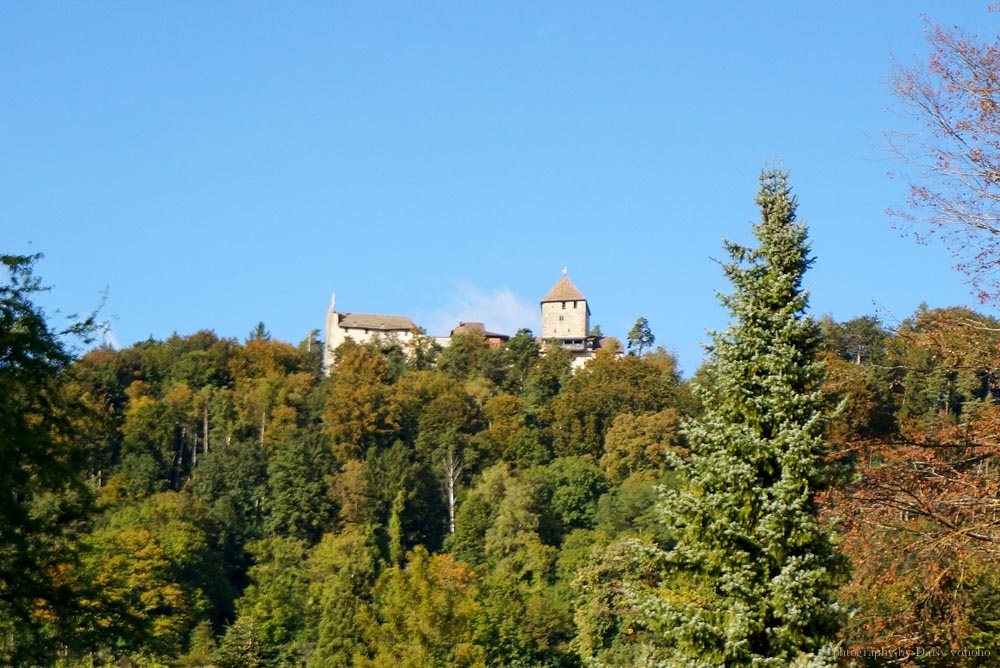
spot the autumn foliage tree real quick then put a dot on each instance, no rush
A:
(928, 491)
(950, 154)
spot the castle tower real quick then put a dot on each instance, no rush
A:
(565, 315)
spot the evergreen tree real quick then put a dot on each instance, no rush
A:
(640, 337)
(752, 572)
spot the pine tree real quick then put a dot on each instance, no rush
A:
(753, 573)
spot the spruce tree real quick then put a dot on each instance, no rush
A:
(752, 574)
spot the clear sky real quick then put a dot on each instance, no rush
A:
(217, 164)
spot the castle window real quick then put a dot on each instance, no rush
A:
(564, 305)
(574, 304)
(560, 318)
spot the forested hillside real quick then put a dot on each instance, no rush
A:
(204, 501)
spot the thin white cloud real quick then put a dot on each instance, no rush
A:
(108, 338)
(500, 310)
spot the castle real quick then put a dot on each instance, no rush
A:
(565, 322)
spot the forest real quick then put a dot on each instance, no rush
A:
(205, 501)
(817, 493)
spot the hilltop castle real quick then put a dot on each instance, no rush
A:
(565, 321)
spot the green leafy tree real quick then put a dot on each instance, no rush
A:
(464, 357)
(275, 600)
(311, 349)
(150, 432)
(636, 444)
(395, 483)
(160, 560)
(149, 610)
(947, 361)
(753, 573)
(231, 481)
(521, 353)
(510, 434)
(446, 424)
(43, 495)
(593, 397)
(476, 515)
(508, 524)
(242, 647)
(421, 350)
(610, 629)
(547, 376)
(201, 646)
(576, 486)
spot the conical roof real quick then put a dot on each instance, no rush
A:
(563, 291)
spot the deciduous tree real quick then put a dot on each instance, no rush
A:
(43, 495)
(950, 152)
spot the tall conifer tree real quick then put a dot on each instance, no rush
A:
(753, 573)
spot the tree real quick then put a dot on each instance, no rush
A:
(639, 443)
(275, 601)
(425, 613)
(356, 410)
(446, 423)
(520, 354)
(641, 337)
(299, 475)
(149, 610)
(43, 495)
(859, 374)
(259, 333)
(342, 570)
(951, 159)
(421, 350)
(929, 493)
(158, 567)
(464, 356)
(610, 631)
(510, 435)
(576, 486)
(507, 529)
(752, 574)
(608, 386)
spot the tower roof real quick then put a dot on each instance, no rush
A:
(563, 291)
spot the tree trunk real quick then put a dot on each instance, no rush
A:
(204, 430)
(451, 463)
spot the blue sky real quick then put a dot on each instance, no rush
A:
(213, 165)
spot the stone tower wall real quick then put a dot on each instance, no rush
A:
(565, 320)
